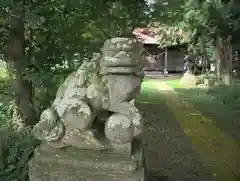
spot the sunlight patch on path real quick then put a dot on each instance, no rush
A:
(215, 148)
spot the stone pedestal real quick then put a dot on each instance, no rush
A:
(73, 164)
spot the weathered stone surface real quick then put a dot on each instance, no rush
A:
(94, 113)
(79, 115)
(121, 52)
(108, 82)
(72, 164)
(119, 129)
(122, 88)
(128, 109)
(50, 129)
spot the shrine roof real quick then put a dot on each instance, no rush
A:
(162, 35)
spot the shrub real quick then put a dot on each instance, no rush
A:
(17, 143)
(16, 148)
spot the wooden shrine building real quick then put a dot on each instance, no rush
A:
(161, 57)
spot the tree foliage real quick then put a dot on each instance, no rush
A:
(209, 26)
(201, 20)
(59, 33)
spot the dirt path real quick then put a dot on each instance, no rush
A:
(183, 145)
(169, 153)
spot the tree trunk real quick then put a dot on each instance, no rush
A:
(15, 56)
(224, 59)
(205, 61)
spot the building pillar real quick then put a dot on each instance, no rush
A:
(165, 72)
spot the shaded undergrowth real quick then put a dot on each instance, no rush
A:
(16, 148)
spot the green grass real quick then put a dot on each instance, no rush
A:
(175, 83)
(215, 146)
(221, 104)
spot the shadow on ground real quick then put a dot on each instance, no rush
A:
(154, 175)
(169, 153)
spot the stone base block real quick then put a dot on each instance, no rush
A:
(72, 164)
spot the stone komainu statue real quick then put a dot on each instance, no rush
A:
(94, 107)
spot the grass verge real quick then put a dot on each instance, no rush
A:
(221, 104)
(215, 148)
